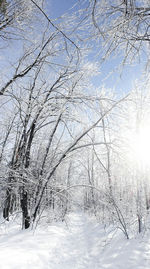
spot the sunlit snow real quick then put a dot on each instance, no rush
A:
(77, 243)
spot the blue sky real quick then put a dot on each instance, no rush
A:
(122, 81)
(59, 7)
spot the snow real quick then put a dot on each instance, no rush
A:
(77, 243)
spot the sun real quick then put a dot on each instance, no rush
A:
(141, 145)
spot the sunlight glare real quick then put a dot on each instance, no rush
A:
(141, 145)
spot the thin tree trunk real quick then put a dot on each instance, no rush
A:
(24, 207)
(6, 209)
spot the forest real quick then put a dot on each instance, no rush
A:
(69, 141)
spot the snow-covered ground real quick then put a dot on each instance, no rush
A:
(78, 243)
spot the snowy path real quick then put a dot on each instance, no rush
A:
(57, 247)
(78, 250)
(75, 246)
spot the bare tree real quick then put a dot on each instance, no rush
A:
(120, 28)
(14, 16)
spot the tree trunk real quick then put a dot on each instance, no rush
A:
(139, 223)
(6, 209)
(24, 207)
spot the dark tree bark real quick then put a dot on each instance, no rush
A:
(6, 209)
(24, 207)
